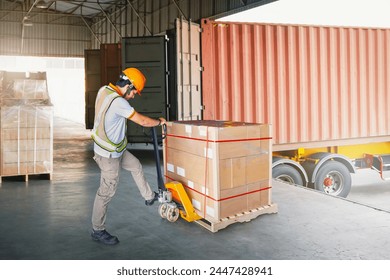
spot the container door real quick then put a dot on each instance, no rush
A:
(111, 62)
(92, 84)
(188, 70)
(148, 54)
(101, 68)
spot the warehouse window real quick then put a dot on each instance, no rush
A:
(65, 80)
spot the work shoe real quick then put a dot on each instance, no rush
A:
(104, 237)
(152, 200)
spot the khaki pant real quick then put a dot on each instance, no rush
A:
(109, 180)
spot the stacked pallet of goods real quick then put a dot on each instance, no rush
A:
(26, 125)
(225, 168)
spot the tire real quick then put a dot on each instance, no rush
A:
(333, 178)
(287, 173)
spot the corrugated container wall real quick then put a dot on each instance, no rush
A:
(313, 84)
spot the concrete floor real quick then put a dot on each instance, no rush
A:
(42, 219)
(368, 188)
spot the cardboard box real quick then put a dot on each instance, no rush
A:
(224, 166)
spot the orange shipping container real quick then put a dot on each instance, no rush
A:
(314, 84)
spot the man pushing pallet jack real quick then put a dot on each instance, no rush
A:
(177, 199)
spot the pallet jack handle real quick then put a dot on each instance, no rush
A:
(160, 180)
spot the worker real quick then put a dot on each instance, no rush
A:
(112, 110)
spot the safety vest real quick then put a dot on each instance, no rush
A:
(103, 102)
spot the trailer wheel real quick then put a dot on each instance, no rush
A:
(333, 178)
(287, 173)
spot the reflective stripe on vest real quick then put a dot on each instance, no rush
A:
(103, 102)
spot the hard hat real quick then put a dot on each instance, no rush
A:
(136, 78)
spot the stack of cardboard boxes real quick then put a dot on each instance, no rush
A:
(26, 125)
(225, 167)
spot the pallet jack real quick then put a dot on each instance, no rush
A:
(173, 198)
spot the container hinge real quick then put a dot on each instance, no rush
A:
(200, 29)
(202, 107)
(201, 68)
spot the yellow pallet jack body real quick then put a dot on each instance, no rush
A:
(180, 196)
(173, 198)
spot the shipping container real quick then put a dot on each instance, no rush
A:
(314, 84)
(325, 90)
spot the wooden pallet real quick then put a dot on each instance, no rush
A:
(240, 217)
(25, 177)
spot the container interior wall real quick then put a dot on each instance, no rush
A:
(148, 54)
(311, 83)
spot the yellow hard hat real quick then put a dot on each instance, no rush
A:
(136, 78)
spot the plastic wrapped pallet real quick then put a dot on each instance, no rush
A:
(26, 126)
(224, 166)
(23, 88)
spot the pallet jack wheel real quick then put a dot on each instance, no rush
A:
(172, 214)
(162, 210)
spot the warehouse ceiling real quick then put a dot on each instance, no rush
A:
(92, 9)
(86, 9)
(68, 27)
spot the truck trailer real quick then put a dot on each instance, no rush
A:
(324, 89)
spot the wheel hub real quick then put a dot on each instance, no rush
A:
(333, 183)
(328, 182)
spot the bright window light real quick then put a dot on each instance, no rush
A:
(65, 80)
